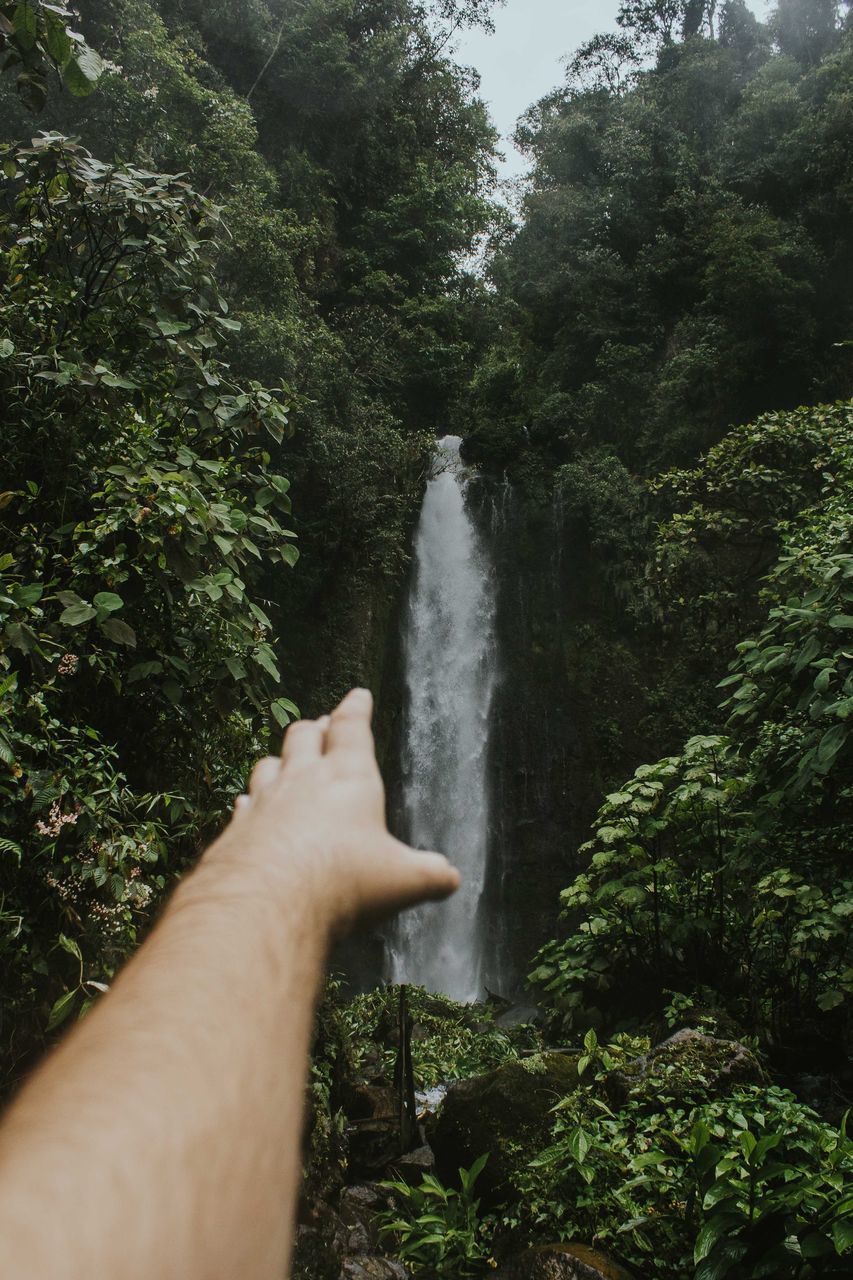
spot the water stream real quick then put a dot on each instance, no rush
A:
(449, 655)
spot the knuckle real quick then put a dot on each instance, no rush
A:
(263, 770)
(298, 727)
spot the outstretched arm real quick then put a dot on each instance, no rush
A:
(162, 1138)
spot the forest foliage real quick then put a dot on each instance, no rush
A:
(236, 245)
(211, 289)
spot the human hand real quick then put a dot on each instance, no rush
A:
(313, 824)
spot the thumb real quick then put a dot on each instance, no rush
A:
(403, 877)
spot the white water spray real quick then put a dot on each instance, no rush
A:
(450, 668)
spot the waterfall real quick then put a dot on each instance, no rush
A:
(450, 670)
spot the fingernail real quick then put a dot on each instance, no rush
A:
(363, 695)
(242, 802)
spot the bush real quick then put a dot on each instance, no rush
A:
(137, 673)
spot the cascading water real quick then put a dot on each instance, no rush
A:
(450, 672)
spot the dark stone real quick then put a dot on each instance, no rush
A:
(686, 1061)
(411, 1167)
(370, 1267)
(505, 1113)
(562, 1262)
(357, 1210)
(320, 1245)
(373, 1112)
(518, 1015)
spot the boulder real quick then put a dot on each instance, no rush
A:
(687, 1062)
(562, 1262)
(357, 1212)
(411, 1167)
(505, 1113)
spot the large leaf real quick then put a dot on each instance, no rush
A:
(119, 631)
(25, 23)
(76, 614)
(83, 71)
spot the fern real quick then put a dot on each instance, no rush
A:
(9, 846)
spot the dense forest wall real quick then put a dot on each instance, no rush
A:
(290, 314)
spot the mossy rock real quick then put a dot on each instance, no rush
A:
(688, 1065)
(505, 1113)
(562, 1262)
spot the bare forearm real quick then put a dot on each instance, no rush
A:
(162, 1139)
(186, 1084)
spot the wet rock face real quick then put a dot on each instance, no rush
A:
(319, 1246)
(369, 1267)
(342, 1243)
(562, 1262)
(357, 1212)
(505, 1113)
(680, 1064)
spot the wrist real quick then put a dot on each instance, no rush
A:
(272, 883)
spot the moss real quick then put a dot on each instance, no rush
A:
(563, 1262)
(536, 1066)
(686, 1066)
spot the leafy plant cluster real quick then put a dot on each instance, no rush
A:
(38, 38)
(450, 1041)
(688, 1184)
(353, 164)
(158, 347)
(436, 1229)
(667, 1175)
(137, 669)
(687, 889)
(721, 868)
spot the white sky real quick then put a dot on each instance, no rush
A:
(521, 62)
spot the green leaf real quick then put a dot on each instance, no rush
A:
(831, 743)
(830, 1000)
(25, 23)
(59, 44)
(236, 667)
(119, 632)
(265, 658)
(108, 601)
(579, 1145)
(7, 348)
(143, 670)
(722, 1262)
(61, 1009)
(842, 1234)
(83, 71)
(28, 595)
(171, 328)
(719, 1225)
(76, 614)
(69, 945)
(22, 637)
(9, 846)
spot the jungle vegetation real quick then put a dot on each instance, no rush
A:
(238, 246)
